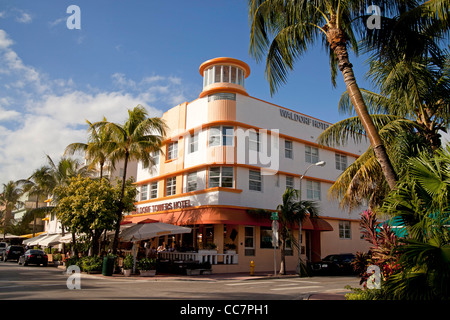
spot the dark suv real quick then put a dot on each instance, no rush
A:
(13, 253)
(334, 264)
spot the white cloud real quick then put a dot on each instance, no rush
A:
(40, 115)
(24, 17)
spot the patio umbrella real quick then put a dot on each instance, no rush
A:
(148, 229)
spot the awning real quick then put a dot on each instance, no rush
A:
(29, 236)
(321, 224)
(34, 241)
(148, 229)
(224, 215)
(50, 240)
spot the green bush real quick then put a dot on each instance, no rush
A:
(93, 263)
(128, 262)
(146, 264)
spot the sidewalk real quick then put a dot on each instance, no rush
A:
(206, 277)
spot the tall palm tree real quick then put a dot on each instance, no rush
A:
(9, 199)
(133, 140)
(292, 211)
(94, 150)
(295, 26)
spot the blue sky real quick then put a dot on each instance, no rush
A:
(126, 53)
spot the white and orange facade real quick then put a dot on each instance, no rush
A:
(227, 154)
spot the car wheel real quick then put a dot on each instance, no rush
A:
(44, 264)
(25, 263)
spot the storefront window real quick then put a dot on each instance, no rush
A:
(266, 237)
(249, 241)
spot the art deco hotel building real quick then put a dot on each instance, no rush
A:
(227, 155)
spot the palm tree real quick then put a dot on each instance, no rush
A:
(292, 211)
(9, 199)
(409, 112)
(133, 140)
(39, 185)
(94, 150)
(295, 26)
(422, 200)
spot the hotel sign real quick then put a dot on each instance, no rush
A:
(303, 119)
(165, 206)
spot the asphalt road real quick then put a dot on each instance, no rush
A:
(50, 283)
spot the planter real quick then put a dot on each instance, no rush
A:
(147, 273)
(127, 272)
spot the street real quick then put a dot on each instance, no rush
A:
(50, 283)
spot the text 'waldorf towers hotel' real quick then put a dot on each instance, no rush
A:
(227, 154)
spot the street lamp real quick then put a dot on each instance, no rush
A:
(319, 164)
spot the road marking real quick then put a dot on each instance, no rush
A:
(299, 281)
(292, 288)
(245, 283)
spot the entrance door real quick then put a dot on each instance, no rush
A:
(308, 245)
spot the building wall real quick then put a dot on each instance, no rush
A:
(275, 125)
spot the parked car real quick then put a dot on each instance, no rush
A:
(13, 253)
(34, 256)
(334, 264)
(3, 246)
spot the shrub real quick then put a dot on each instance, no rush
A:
(93, 263)
(128, 262)
(146, 264)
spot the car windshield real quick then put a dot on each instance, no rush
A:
(35, 252)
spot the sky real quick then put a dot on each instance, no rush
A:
(53, 78)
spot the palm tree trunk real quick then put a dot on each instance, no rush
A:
(336, 39)
(120, 209)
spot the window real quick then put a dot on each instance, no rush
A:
(289, 182)
(221, 136)
(171, 185)
(288, 149)
(254, 180)
(249, 241)
(154, 190)
(253, 140)
(221, 177)
(191, 181)
(172, 151)
(144, 192)
(266, 237)
(193, 143)
(341, 161)
(311, 154)
(344, 230)
(312, 190)
(223, 73)
(155, 159)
